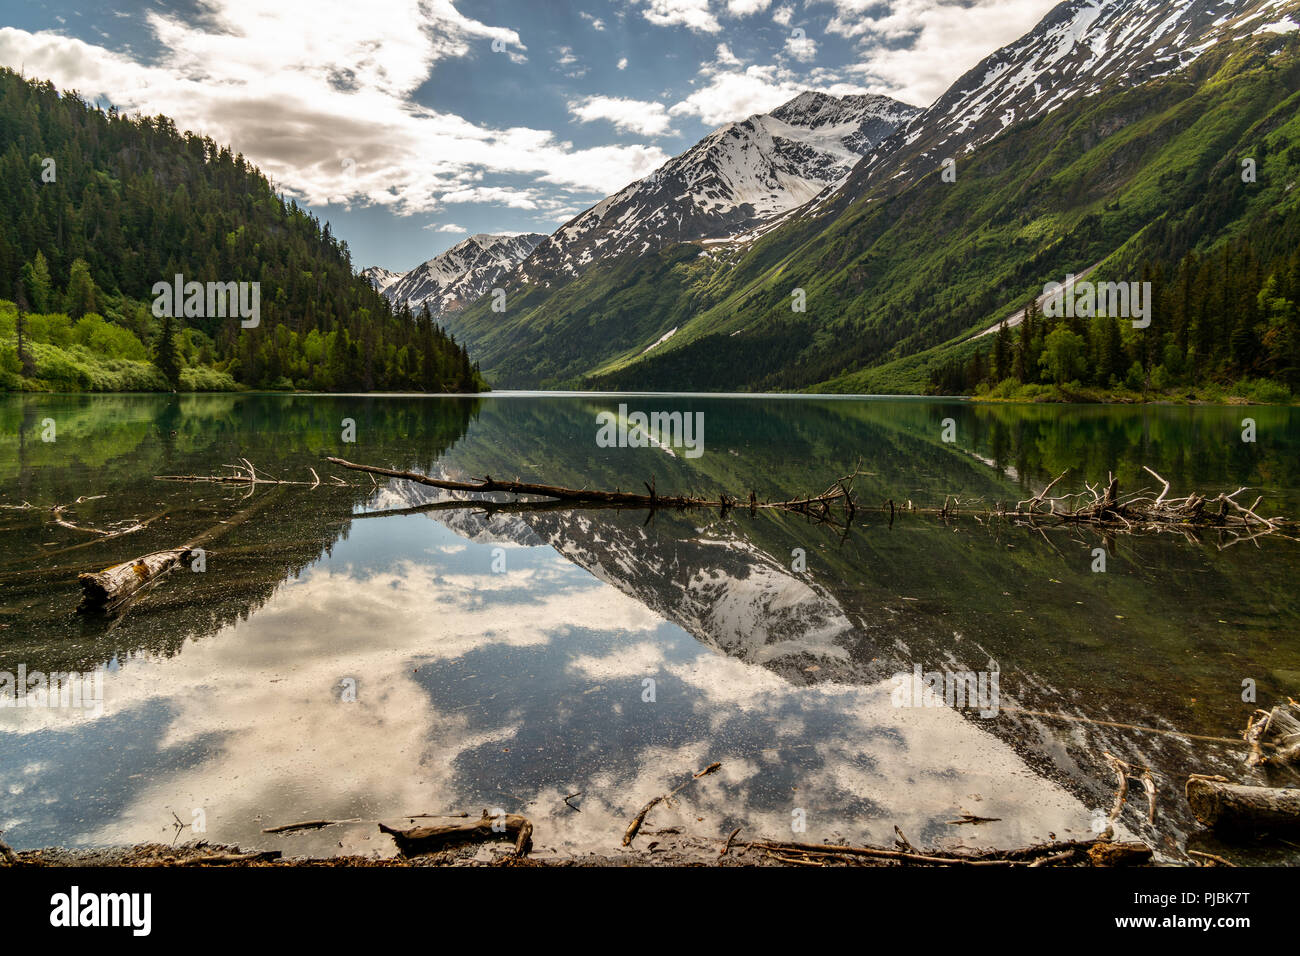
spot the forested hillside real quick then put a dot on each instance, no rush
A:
(96, 207)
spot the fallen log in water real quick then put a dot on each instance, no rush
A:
(817, 504)
(1229, 806)
(419, 840)
(1096, 507)
(112, 587)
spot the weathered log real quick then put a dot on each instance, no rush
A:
(112, 586)
(1230, 806)
(1119, 854)
(420, 840)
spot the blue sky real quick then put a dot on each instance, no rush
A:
(410, 124)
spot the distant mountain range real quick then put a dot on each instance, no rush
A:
(453, 279)
(736, 178)
(1095, 139)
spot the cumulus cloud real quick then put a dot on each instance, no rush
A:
(628, 115)
(332, 116)
(801, 47)
(743, 8)
(692, 14)
(915, 49)
(737, 94)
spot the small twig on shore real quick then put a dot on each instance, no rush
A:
(635, 825)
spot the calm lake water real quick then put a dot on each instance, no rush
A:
(514, 659)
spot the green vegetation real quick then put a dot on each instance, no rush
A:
(97, 207)
(1224, 326)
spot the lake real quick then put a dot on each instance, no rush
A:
(332, 661)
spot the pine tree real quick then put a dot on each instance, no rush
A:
(26, 366)
(36, 283)
(165, 357)
(82, 297)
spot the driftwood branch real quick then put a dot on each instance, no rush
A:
(635, 826)
(1074, 853)
(246, 474)
(816, 505)
(419, 840)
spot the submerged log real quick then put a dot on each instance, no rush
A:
(812, 505)
(1229, 806)
(115, 585)
(419, 840)
(112, 586)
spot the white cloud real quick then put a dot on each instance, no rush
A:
(801, 46)
(915, 49)
(693, 14)
(597, 23)
(496, 195)
(724, 56)
(633, 116)
(446, 227)
(343, 90)
(734, 95)
(783, 15)
(622, 63)
(743, 8)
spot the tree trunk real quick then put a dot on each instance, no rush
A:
(113, 585)
(1233, 807)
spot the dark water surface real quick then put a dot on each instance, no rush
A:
(508, 661)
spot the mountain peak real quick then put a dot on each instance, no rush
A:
(738, 177)
(459, 275)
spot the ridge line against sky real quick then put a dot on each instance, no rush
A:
(411, 124)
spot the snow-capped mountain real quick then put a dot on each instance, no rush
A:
(460, 275)
(1079, 48)
(734, 179)
(379, 277)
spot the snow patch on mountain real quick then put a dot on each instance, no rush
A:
(1076, 50)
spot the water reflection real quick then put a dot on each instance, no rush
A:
(501, 661)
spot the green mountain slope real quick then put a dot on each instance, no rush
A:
(1133, 178)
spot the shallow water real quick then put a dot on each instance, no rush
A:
(513, 660)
